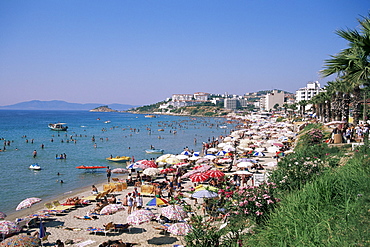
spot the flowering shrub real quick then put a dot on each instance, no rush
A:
(254, 202)
(313, 136)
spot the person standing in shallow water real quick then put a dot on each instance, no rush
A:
(34, 153)
(109, 173)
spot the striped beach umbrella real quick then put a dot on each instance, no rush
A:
(215, 173)
(157, 201)
(199, 177)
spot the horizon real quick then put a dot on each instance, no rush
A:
(140, 53)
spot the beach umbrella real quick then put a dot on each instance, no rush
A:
(272, 149)
(157, 201)
(163, 158)
(21, 241)
(140, 216)
(189, 173)
(196, 154)
(221, 153)
(199, 177)
(202, 160)
(210, 156)
(206, 187)
(174, 212)
(204, 194)
(168, 170)
(245, 164)
(215, 173)
(2, 215)
(202, 168)
(212, 150)
(148, 163)
(151, 171)
(26, 203)
(182, 157)
(119, 170)
(224, 160)
(8, 227)
(179, 229)
(181, 164)
(111, 209)
(278, 144)
(172, 160)
(259, 154)
(194, 158)
(186, 153)
(259, 149)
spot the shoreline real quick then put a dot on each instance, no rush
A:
(80, 192)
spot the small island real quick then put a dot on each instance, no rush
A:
(103, 108)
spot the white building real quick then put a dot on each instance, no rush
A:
(306, 93)
(201, 96)
(182, 97)
(271, 99)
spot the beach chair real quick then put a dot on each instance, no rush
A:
(91, 197)
(121, 227)
(52, 209)
(147, 190)
(58, 206)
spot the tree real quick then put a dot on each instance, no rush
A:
(352, 65)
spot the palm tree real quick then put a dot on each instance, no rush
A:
(352, 64)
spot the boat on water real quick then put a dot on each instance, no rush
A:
(35, 167)
(90, 167)
(150, 116)
(58, 126)
(154, 151)
(108, 121)
(119, 159)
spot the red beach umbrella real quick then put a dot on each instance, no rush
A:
(199, 177)
(148, 163)
(215, 173)
(168, 170)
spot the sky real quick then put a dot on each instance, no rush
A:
(140, 52)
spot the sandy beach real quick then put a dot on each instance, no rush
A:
(70, 228)
(67, 227)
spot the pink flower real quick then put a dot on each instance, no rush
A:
(258, 204)
(259, 213)
(270, 201)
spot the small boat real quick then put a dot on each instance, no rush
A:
(35, 167)
(150, 116)
(58, 126)
(108, 121)
(154, 151)
(119, 159)
(90, 167)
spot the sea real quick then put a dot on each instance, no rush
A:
(90, 139)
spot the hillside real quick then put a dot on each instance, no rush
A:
(60, 105)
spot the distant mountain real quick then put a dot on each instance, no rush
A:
(61, 105)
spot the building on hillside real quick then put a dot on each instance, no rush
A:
(182, 97)
(271, 99)
(306, 93)
(201, 96)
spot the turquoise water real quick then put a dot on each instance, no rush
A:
(126, 134)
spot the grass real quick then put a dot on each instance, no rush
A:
(333, 210)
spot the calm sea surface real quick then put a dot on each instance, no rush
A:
(126, 134)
